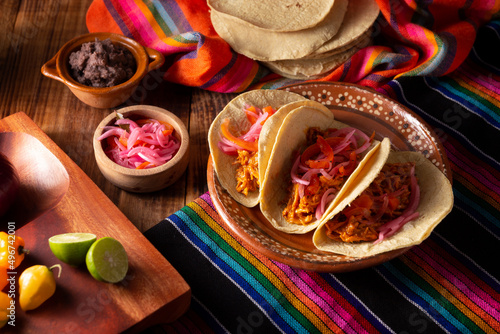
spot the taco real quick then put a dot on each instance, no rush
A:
(314, 158)
(407, 198)
(241, 139)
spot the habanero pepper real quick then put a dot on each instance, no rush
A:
(12, 251)
(36, 285)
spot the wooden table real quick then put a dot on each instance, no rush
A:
(32, 33)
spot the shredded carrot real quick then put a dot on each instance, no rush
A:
(250, 146)
(372, 136)
(143, 165)
(251, 113)
(268, 109)
(123, 140)
(168, 125)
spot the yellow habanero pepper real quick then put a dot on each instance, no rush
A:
(36, 285)
(12, 251)
(5, 304)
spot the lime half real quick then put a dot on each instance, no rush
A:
(107, 260)
(71, 248)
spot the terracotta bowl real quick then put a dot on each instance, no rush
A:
(108, 97)
(143, 180)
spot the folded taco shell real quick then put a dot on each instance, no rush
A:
(223, 163)
(436, 201)
(292, 137)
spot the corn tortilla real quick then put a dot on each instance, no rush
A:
(282, 15)
(292, 137)
(358, 19)
(315, 67)
(269, 45)
(436, 201)
(223, 163)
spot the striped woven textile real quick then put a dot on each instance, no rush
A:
(412, 38)
(448, 284)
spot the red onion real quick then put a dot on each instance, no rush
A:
(325, 199)
(408, 214)
(145, 144)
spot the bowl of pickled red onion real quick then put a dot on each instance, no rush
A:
(141, 148)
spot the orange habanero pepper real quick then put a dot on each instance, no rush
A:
(12, 251)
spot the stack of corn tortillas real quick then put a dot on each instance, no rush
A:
(297, 39)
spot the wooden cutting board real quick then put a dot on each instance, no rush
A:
(153, 291)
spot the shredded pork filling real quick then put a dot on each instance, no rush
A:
(324, 167)
(302, 210)
(247, 173)
(383, 201)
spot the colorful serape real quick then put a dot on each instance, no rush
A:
(448, 284)
(412, 38)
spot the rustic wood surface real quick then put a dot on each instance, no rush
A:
(32, 33)
(152, 293)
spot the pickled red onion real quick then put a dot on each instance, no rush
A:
(294, 176)
(145, 140)
(328, 195)
(232, 145)
(111, 131)
(254, 131)
(358, 134)
(337, 167)
(228, 147)
(345, 131)
(409, 214)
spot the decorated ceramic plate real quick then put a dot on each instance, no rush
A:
(362, 108)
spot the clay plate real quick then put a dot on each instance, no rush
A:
(362, 108)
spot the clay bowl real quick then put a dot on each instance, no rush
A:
(108, 97)
(43, 179)
(143, 180)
